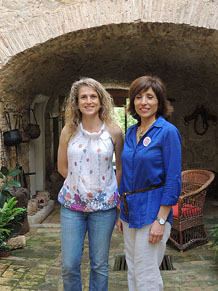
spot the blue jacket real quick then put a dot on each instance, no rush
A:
(155, 159)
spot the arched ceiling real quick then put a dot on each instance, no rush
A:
(114, 55)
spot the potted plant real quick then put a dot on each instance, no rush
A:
(214, 235)
(4, 236)
(11, 220)
(4, 249)
(11, 217)
(7, 183)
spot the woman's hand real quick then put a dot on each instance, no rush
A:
(156, 232)
(119, 225)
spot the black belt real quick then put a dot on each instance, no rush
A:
(125, 204)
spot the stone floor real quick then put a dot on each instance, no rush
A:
(37, 266)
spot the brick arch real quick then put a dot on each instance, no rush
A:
(80, 16)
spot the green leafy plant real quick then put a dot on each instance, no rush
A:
(4, 247)
(214, 235)
(3, 243)
(10, 214)
(7, 183)
(4, 236)
(11, 217)
(11, 220)
(122, 119)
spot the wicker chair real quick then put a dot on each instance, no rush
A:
(188, 223)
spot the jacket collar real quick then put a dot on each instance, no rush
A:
(159, 122)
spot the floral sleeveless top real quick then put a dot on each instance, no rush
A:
(91, 182)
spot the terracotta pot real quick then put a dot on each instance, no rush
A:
(32, 206)
(4, 254)
(15, 228)
(25, 136)
(33, 129)
(25, 227)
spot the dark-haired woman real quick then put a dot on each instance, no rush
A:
(151, 179)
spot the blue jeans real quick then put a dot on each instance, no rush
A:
(74, 225)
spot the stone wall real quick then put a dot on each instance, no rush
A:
(198, 151)
(199, 13)
(46, 44)
(25, 23)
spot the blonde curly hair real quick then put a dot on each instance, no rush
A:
(73, 116)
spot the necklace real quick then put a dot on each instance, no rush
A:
(141, 133)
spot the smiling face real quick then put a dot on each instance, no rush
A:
(146, 105)
(88, 101)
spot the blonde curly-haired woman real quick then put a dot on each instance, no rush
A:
(89, 195)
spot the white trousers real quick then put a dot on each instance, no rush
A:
(144, 258)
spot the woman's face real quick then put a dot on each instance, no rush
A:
(146, 104)
(88, 101)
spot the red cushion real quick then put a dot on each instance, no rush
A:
(187, 210)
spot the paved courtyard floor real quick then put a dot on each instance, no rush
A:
(38, 265)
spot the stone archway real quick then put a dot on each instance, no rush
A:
(115, 42)
(81, 15)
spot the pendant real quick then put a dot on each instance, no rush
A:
(141, 133)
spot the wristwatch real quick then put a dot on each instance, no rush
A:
(161, 220)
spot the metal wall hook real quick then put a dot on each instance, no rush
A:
(205, 116)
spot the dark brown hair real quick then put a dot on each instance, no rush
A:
(142, 84)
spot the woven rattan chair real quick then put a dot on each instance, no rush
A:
(188, 223)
